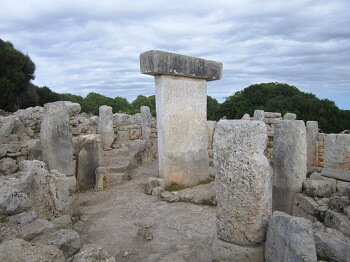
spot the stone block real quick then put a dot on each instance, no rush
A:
(114, 178)
(146, 122)
(258, 115)
(210, 130)
(8, 232)
(100, 173)
(22, 218)
(35, 229)
(338, 202)
(8, 166)
(156, 62)
(62, 222)
(290, 163)
(318, 188)
(123, 136)
(151, 183)
(337, 221)
(272, 115)
(135, 133)
(91, 252)
(13, 201)
(105, 126)
(242, 181)
(312, 143)
(289, 116)
(289, 239)
(308, 204)
(246, 117)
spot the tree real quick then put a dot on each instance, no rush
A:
(16, 72)
(212, 108)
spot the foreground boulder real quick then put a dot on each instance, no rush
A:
(13, 201)
(92, 253)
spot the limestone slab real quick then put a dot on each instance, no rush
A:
(146, 122)
(105, 126)
(312, 143)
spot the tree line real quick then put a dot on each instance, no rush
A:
(17, 91)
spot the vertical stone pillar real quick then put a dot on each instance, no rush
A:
(56, 139)
(258, 115)
(290, 163)
(145, 122)
(312, 144)
(105, 126)
(181, 101)
(243, 190)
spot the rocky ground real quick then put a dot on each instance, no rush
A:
(133, 226)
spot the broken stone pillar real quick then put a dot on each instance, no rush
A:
(56, 139)
(181, 103)
(290, 163)
(258, 115)
(312, 144)
(243, 188)
(337, 156)
(105, 126)
(146, 122)
(88, 159)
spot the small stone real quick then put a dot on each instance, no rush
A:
(92, 253)
(8, 232)
(346, 211)
(246, 117)
(73, 108)
(100, 173)
(337, 221)
(62, 222)
(341, 186)
(13, 201)
(318, 188)
(35, 229)
(22, 218)
(151, 183)
(8, 166)
(289, 116)
(157, 191)
(306, 203)
(338, 202)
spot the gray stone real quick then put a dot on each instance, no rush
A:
(338, 202)
(22, 218)
(157, 191)
(123, 136)
(135, 133)
(337, 221)
(8, 166)
(62, 222)
(182, 133)
(318, 188)
(56, 139)
(318, 176)
(341, 186)
(337, 156)
(226, 252)
(29, 116)
(35, 229)
(289, 116)
(290, 163)
(346, 211)
(246, 117)
(307, 204)
(272, 115)
(3, 152)
(146, 122)
(210, 130)
(67, 240)
(89, 159)
(156, 62)
(6, 126)
(18, 250)
(8, 232)
(73, 108)
(34, 149)
(113, 179)
(100, 173)
(289, 239)
(242, 182)
(21, 181)
(258, 115)
(105, 126)
(151, 183)
(13, 201)
(312, 143)
(92, 253)
(331, 245)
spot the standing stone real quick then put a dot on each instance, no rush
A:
(243, 186)
(290, 163)
(56, 139)
(210, 129)
(181, 101)
(105, 126)
(337, 156)
(289, 116)
(146, 122)
(312, 144)
(88, 160)
(258, 115)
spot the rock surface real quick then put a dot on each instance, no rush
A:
(105, 126)
(146, 122)
(93, 253)
(318, 188)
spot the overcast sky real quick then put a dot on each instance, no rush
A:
(82, 46)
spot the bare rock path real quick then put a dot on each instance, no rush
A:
(133, 226)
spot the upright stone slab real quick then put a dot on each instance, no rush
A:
(88, 160)
(146, 122)
(181, 101)
(243, 187)
(56, 139)
(105, 126)
(290, 163)
(337, 156)
(258, 115)
(312, 143)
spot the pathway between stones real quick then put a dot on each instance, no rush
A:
(133, 226)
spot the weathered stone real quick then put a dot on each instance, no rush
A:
(331, 245)
(210, 130)
(8, 166)
(151, 183)
(312, 144)
(346, 211)
(135, 133)
(89, 159)
(13, 201)
(146, 122)
(123, 136)
(92, 253)
(22, 218)
(62, 222)
(6, 126)
(112, 179)
(246, 117)
(100, 173)
(306, 203)
(338, 202)
(3, 152)
(271, 121)
(21, 181)
(318, 188)
(8, 232)
(226, 252)
(290, 163)
(337, 221)
(289, 116)
(56, 139)
(35, 229)
(157, 191)
(29, 116)
(318, 176)
(289, 239)
(34, 149)
(337, 156)
(272, 114)
(243, 181)
(18, 250)
(105, 126)
(67, 240)
(156, 62)
(341, 186)
(182, 133)
(73, 108)
(258, 115)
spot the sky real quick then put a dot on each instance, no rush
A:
(82, 46)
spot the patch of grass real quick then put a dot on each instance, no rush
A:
(206, 181)
(174, 187)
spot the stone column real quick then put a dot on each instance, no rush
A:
(105, 126)
(243, 190)
(290, 163)
(145, 122)
(312, 144)
(181, 102)
(56, 139)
